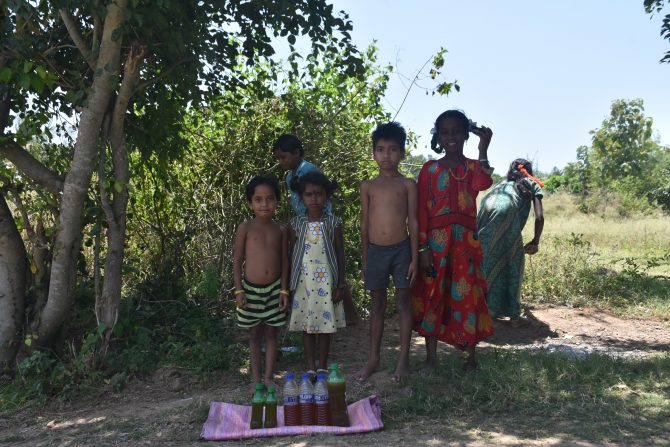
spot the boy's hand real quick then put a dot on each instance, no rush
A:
(241, 300)
(412, 273)
(426, 260)
(283, 302)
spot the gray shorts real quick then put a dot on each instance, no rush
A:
(388, 260)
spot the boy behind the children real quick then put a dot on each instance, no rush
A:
(290, 155)
(261, 250)
(389, 232)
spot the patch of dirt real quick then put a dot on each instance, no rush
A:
(587, 325)
(170, 406)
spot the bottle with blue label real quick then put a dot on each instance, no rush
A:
(291, 401)
(306, 400)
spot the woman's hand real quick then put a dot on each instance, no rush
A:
(531, 248)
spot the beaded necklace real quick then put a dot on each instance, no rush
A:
(457, 178)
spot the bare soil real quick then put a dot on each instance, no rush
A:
(170, 406)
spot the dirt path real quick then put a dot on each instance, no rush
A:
(170, 407)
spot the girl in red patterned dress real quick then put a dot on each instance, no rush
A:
(449, 299)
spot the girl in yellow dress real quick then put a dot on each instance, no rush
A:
(317, 269)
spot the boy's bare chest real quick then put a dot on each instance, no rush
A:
(260, 237)
(388, 194)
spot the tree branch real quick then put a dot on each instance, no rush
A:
(76, 37)
(104, 196)
(31, 167)
(163, 74)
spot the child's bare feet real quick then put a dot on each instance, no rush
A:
(401, 373)
(428, 368)
(368, 370)
(268, 382)
(469, 367)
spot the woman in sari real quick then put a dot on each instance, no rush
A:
(503, 213)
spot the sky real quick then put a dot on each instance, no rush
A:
(541, 74)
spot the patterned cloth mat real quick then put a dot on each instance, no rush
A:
(228, 421)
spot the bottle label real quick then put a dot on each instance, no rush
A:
(306, 397)
(323, 399)
(290, 400)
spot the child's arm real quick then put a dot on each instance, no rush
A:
(238, 260)
(365, 238)
(339, 253)
(285, 264)
(413, 226)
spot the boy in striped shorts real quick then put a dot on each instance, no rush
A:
(260, 273)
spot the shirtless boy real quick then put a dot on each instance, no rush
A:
(389, 230)
(261, 251)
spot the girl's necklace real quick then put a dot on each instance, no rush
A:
(457, 178)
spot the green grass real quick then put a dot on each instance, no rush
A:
(600, 260)
(537, 395)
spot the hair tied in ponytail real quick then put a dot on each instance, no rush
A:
(522, 169)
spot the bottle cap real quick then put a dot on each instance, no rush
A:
(334, 366)
(321, 376)
(271, 389)
(289, 376)
(259, 387)
(305, 376)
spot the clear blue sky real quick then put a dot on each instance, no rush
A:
(541, 74)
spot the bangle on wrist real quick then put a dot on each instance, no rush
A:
(238, 292)
(283, 292)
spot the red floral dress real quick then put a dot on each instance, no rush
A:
(450, 302)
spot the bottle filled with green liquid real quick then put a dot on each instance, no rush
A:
(270, 409)
(257, 403)
(337, 389)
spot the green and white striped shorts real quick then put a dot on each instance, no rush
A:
(262, 305)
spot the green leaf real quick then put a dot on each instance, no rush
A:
(24, 81)
(27, 66)
(118, 186)
(37, 83)
(41, 72)
(5, 74)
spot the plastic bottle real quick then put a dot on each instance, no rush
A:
(257, 403)
(291, 401)
(270, 409)
(306, 401)
(321, 400)
(337, 389)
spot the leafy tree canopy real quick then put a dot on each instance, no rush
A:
(654, 6)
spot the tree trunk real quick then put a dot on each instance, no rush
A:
(77, 181)
(107, 307)
(13, 283)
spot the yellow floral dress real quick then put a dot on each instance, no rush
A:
(313, 310)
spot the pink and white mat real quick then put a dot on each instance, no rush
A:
(228, 421)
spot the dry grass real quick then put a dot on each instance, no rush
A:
(602, 260)
(610, 235)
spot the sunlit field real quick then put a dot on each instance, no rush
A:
(603, 259)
